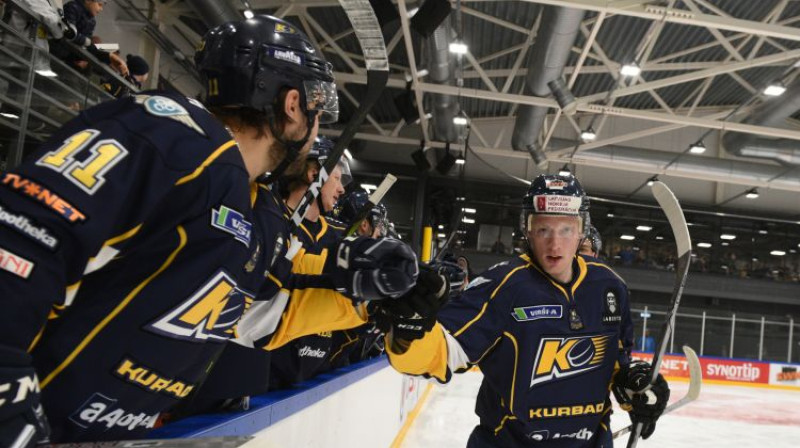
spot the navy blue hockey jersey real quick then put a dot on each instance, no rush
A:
(548, 351)
(129, 228)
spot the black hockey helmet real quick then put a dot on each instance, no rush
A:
(247, 63)
(594, 237)
(553, 194)
(348, 206)
(321, 150)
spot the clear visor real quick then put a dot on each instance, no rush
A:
(347, 175)
(321, 96)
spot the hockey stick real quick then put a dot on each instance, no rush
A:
(669, 203)
(370, 37)
(200, 442)
(374, 199)
(455, 225)
(695, 382)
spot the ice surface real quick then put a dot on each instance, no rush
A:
(723, 416)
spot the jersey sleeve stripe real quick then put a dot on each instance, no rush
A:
(514, 378)
(594, 263)
(207, 162)
(485, 305)
(118, 309)
(122, 237)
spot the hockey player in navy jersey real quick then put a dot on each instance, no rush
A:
(124, 238)
(550, 330)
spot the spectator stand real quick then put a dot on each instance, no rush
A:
(38, 92)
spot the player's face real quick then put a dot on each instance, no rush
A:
(554, 241)
(94, 7)
(295, 132)
(332, 189)
(586, 248)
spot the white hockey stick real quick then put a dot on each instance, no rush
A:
(695, 383)
(672, 208)
(370, 36)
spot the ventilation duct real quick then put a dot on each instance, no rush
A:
(557, 32)
(772, 113)
(215, 12)
(440, 71)
(689, 166)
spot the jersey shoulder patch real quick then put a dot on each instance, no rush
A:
(165, 107)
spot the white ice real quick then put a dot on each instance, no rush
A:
(723, 416)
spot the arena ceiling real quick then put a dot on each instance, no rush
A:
(704, 65)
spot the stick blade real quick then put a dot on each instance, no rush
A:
(672, 208)
(695, 373)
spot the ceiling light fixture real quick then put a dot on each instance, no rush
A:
(627, 237)
(458, 47)
(652, 180)
(752, 193)
(775, 89)
(564, 171)
(588, 135)
(704, 245)
(697, 148)
(630, 69)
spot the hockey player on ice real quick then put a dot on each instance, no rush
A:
(550, 330)
(125, 236)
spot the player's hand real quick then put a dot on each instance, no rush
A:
(374, 269)
(22, 421)
(644, 402)
(411, 316)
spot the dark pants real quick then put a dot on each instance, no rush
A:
(482, 438)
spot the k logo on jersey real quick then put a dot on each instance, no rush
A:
(563, 357)
(209, 314)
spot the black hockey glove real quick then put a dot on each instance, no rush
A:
(374, 269)
(22, 421)
(414, 314)
(644, 404)
(453, 272)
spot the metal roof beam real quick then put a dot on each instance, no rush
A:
(680, 16)
(700, 74)
(495, 20)
(412, 64)
(591, 108)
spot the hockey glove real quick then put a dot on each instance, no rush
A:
(453, 272)
(644, 402)
(374, 269)
(22, 421)
(414, 314)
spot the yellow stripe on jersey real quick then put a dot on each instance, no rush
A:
(209, 160)
(516, 360)
(122, 237)
(426, 356)
(323, 228)
(305, 229)
(118, 309)
(253, 194)
(494, 293)
(581, 274)
(503, 422)
(602, 265)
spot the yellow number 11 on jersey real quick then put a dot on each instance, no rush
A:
(88, 173)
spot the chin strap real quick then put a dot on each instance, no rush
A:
(292, 147)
